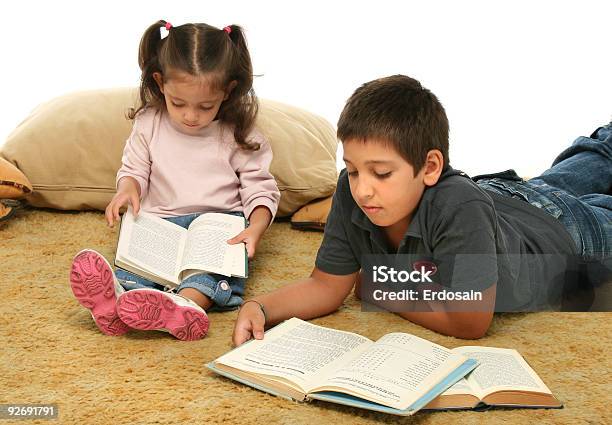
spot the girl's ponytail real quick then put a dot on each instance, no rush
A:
(149, 43)
(234, 32)
(148, 61)
(236, 35)
(240, 109)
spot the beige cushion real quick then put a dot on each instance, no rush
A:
(304, 147)
(13, 184)
(70, 149)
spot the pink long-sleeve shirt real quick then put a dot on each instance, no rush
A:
(181, 174)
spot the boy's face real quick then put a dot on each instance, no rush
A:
(382, 182)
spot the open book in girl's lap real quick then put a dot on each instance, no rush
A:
(167, 253)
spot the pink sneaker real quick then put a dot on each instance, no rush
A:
(95, 286)
(150, 309)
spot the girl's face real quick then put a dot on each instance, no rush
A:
(192, 102)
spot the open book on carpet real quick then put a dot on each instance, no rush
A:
(502, 378)
(399, 374)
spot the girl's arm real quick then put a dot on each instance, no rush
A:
(320, 294)
(260, 219)
(258, 192)
(257, 184)
(132, 179)
(136, 159)
(128, 190)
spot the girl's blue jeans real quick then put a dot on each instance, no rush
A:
(225, 292)
(576, 190)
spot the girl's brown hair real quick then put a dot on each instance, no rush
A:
(197, 49)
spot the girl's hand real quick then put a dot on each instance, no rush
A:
(250, 236)
(259, 219)
(127, 191)
(249, 324)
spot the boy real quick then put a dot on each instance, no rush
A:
(509, 241)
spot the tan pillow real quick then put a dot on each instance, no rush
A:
(313, 215)
(304, 147)
(13, 184)
(70, 148)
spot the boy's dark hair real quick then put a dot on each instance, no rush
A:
(198, 49)
(401, 112)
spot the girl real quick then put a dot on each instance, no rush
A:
(193, 149)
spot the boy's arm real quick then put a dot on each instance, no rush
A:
(318, 295)
(460, 324)
(466, 255)
(436, 316)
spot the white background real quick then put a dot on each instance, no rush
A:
(520, 80)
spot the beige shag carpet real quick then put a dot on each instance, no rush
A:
(53, 353)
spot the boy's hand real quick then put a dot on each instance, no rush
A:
(249, 324)
(127, 191)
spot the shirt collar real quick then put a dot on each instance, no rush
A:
(377, 234)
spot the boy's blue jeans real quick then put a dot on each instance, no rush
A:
(576, 190)
(225, 292)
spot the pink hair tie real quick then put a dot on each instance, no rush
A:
(228, 29)
(168, 26)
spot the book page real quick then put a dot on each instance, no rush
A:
(396, 370)
(298, 351)
(500, 369)
(151, 243)
(207, 249)
(462, 386)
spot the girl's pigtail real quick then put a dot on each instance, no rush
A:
(149, 64)
(150, 43)
(242, 106)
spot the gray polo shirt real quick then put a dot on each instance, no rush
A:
(474, 237)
